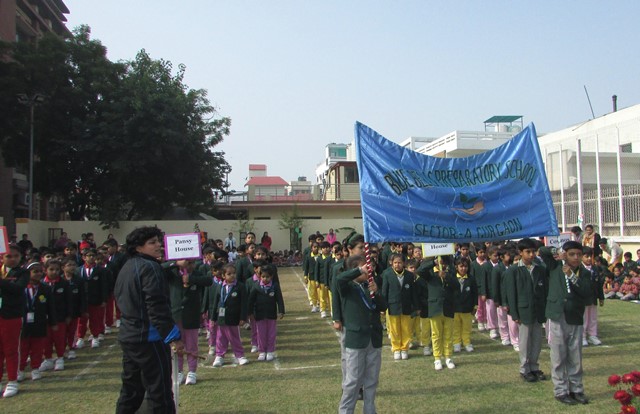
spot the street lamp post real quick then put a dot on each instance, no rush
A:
(31, 102)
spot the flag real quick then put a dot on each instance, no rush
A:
(411, 197)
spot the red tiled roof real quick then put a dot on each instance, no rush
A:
(257, 167)
(267, 181)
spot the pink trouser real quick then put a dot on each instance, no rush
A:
(229, 335)
(503, 324)
(108, 312)
(481, 314)
(266, 335)
(254, 332)
(492, 314)
(190, 340)
(514, 331)
(213, 332)
(590, 321)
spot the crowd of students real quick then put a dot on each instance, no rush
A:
(509, 289)
(61, 300)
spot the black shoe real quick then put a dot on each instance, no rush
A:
(529, 377)
(565, 399)
(539, 375)
(579, 397)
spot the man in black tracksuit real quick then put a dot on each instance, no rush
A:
(147, 327)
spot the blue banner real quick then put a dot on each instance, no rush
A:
(411, 197)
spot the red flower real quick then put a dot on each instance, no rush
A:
(623, 396)
(614, 380)
(628, 378)
(628, 409)
(636, 375)
(635, 389)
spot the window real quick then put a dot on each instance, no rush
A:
(351, 175)
(625, 148)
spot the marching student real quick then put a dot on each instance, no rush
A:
(243, 265)
(266, 305)
(311, 277)
(424, 330)
(398, 290)
(441, 291)
(590, 331)
(526, 299)
(13, 282)
(217, 279)
(465, 302)
(186, 286)
(306, 255)
(569, 288)
(476, 270)
(362, 351)
(249, 284)
(96, 281)
(323, 267)
(507, 327)
(116, 260)
(63, 301)
(40, 313)
(488, 291)
(228, 308)
(78, 302)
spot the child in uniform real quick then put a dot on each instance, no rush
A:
(228, 308)
(62, 299)
(441, 290)
(312, 278)
(78, 302)
(40, 314)
(186, 285)
(416, 331)
(508, 328)
(323, 267)
(465, 302)
(398, 290)
(96, 281)
(422, 293)
(477, 271)
(266, 305)
(13, 281)
(493, 324)
(249, 284)
(526, 299)
(590, 331)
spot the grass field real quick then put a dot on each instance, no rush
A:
(306, 376)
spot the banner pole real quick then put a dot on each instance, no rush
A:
(176, 384)
(367, 255)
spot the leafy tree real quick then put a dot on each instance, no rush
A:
(293, 222)
(115, 140)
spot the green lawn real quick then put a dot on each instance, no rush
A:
(306, 376)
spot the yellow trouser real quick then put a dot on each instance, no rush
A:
(441, 331)
(313, 292)
(462, 328)
(325, 302)
(425, 331)
(330, 302)
(399, 327)
(416, 330)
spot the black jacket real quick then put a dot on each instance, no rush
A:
(266, 304)
(43, 308)
(12, 293)
(142, 294)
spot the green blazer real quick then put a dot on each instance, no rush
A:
(440, 291)
(186, 302)
(401, 300)
(561, 301)
(361, 323)
(527, 293)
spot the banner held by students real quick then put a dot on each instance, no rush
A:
(411, 197)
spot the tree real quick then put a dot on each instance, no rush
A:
(293, 222)
(115, 140)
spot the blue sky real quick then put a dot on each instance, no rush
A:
(295, 75)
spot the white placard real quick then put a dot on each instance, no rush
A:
(558, 241)
(437, 249)
(182, 246)
(4, 241)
